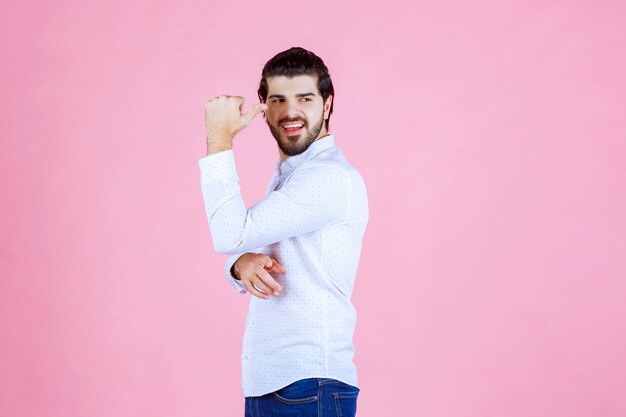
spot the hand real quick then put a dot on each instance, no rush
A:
(223, 119)
(252, 269)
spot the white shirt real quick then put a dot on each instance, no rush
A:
(312, 221)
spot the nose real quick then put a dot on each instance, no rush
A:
(293, 110)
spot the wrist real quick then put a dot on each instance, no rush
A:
(234, 273)
(215, 147)
(234, 270)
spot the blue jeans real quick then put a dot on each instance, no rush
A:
(311, 397)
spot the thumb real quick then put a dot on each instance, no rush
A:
(276, 267)
(256, 109)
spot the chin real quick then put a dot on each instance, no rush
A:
(295, 138)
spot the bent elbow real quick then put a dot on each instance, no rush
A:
(226, 247)
(228, 238)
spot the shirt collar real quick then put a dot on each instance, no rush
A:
(315, 148)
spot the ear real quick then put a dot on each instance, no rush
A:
(263, 111)
(327, 104)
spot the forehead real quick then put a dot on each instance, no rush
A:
(283, 85)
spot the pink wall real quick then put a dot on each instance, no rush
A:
(490, 135)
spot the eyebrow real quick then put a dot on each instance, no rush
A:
(297, 95)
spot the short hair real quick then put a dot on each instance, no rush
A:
(298, 61)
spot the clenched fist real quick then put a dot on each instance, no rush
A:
(223, 118)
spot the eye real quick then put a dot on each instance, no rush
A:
(306, 99)
(277, 100)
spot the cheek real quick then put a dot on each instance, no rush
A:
(271, 117)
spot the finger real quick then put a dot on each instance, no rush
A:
(275, 266)
(237, 101)
(256, 109)
(270, 283)
(267, 261)
(252, 290)
(262, 286)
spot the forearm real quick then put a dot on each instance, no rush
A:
(225, 209)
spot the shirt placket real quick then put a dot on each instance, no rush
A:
(274, 183)
(279, 179)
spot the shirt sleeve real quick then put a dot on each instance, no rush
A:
(237, 284)
(315, 196)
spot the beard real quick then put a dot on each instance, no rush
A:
(296, 144)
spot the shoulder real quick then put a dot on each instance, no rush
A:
(331, 162)
(334, 162)
(323, 176)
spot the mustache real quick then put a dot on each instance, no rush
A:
(287, 120)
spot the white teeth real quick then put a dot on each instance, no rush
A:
(293, 126)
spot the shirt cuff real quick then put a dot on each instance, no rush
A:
(218, 166)
(237, 284)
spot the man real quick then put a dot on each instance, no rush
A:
(297, 250)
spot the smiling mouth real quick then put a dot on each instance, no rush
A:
(292, 128)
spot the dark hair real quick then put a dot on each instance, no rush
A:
(298, 61)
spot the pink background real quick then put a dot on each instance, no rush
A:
(491, 138)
